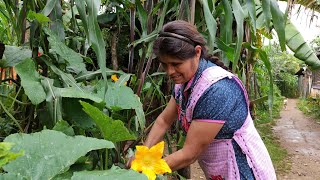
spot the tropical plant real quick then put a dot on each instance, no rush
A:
(285, 65)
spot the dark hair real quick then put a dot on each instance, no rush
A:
(178, 39)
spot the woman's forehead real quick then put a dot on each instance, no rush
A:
(170, 59)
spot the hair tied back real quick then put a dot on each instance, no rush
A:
(177, 36)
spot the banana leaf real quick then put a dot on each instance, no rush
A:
(299, 46)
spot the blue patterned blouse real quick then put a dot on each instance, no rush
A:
(224, 101)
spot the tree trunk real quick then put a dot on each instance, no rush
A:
(249, 60)
(114, 57)
(192, 10)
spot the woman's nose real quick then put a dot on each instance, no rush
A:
(170, 69)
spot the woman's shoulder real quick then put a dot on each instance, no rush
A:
(225, 88)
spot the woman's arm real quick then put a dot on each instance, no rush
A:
(162, 123)
(199, 136)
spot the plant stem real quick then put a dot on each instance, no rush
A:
(10, 115)
(17, 101)
(155, 109)
(106, 159)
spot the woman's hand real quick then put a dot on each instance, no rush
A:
(199, 136)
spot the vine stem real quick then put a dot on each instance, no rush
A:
(10, 115)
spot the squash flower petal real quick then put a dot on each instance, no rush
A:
(114, 78)
(150, 174)
(149, 161)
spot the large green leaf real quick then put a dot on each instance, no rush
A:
(6, 155)
(49, 7)
(226, 31)
(239, 16)
(278, 23)
(55, 95)
(70, 92)
(300, 47)
(75, 61)
(75, 93)
(49, 153)
(122, 97)
(10, 176)
(30, 81)
(143, 17)
(252, 13)
(106, 18)
(264, 57)
(267, 12)
(73, 112)
(64, 127)
(68, 79)
(53, 99)
(211, 24)
(13, 55)
(56, 25)
(228, 50)
(148, 38)
(114, 174)
(122, 80)
(92, 74)
(38, 16)
(88, 15)
(119, 97)
(112, 130)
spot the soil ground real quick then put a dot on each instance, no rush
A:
(300, 136)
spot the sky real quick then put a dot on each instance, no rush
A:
(302, 22)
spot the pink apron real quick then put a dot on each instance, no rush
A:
(219, 159)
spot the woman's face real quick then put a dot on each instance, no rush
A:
(181, 71)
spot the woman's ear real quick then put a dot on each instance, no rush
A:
(198, 50)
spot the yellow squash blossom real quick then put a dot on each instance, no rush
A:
(114, 78)
(149, 161)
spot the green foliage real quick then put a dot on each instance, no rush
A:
(300, 48)
(310, 107)
(49, 153)
(112, 130)
(288, 84)
(113, 173)
(264, 124)
(239, 17)
(6, 155)
(122, 97)
(73, 113)
(38, 16)
(14, 55)
(284, 67)
(88, 16)
(74, 60)
(30, 80)
(64, 127)
(210, 20)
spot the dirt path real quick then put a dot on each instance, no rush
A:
(300, 135)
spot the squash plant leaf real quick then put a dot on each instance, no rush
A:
(112, 130)
(31, 81)
(113, 173)
(49, 153)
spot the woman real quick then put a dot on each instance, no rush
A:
(212, 106)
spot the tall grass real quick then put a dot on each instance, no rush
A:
(264, 123)
(310, 107)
